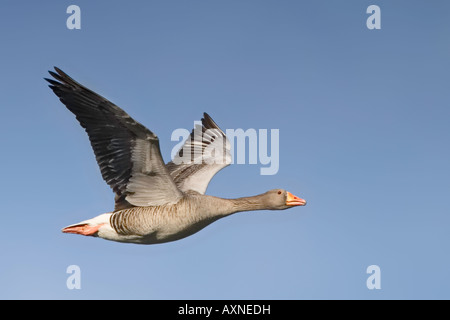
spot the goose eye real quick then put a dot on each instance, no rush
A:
(279, 192)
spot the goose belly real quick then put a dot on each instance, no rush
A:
(149, 226)
(169, 232)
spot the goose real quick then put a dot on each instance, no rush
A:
(154, 202)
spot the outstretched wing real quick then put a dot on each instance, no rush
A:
(127, 153)
(205, 152)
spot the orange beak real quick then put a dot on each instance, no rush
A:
(294, 200)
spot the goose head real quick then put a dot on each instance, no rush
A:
(279, 199)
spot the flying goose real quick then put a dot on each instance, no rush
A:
(154, 202)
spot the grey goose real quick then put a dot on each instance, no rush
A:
(154, 202)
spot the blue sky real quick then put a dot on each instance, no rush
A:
(364, 130)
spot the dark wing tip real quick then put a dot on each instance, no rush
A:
(51, 81)
(62, 74)
(63, 78)
(52, 73)
(58, 70)
(208, 122)
(56, 76)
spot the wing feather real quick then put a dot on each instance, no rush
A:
(127, 153)
(205, 152)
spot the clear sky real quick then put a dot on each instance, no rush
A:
(363, 118)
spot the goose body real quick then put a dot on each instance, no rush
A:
(154, 202)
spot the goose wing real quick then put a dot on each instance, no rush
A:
(205, 152)
(127, 153)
